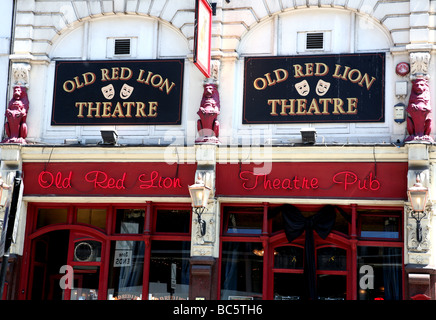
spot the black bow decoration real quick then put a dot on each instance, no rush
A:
(295, 224)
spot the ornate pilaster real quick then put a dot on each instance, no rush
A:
(205, 245)
(419, 235)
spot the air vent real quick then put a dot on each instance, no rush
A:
(314, 41)
(122, 47)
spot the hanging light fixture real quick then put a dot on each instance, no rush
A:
(418, 195)
(199, 193)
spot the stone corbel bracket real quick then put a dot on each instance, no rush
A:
(419, 62)
(21, 74)
(413, 245)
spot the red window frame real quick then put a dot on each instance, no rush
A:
(349, 242)
(98, 234)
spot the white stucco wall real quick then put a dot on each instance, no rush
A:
(47, 31)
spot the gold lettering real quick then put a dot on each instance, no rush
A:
(129, 106)
(314, 109)
(118, 110)
(357, 79)
(256, 86)
(78, 83)
(285, 106)
(309, 69)
(104, 75)
(337, 106)
(72, 84)
(318, 72)
(125, 77)
(96, 109)
(80, 105)
(367, 81)
(115, 73)
(352, 105)
(325, 103)
(273, 102)
(336, 73)
(106, 109)
(301, 106)
(277, 73)
(298, 71)
(140, 110)
(270, 81)
(167, 86)
(152, 109)
(87, 81)
(153, 83)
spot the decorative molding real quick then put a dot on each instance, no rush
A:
(419, 62)
(413, 245)
(20, 73)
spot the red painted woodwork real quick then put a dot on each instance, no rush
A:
(106, 178)
(314, 179)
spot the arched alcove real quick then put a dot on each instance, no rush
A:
(283, 34)
(93, 38)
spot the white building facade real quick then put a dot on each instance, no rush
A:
(121, 213)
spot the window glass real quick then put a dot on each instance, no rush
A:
(332, 287)
(244, 223)
(126, 270)
(380, 275)
(85, 283)
(169, 270)
(51, 216)
(331, 258)
(288, 257)
(173, 221)
(129, 221)
(87, 251)
(288, 286)
(379, 227)
(241, 270)
(93, 217)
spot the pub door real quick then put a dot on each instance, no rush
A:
(80, 256)
(332, 262)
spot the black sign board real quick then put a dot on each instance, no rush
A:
(134, 92)
(314, 88)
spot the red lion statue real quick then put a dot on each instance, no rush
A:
(16, 114)
(419, 109)
(208, 125)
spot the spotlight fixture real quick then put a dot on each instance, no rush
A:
(110, 137)
(308, 135)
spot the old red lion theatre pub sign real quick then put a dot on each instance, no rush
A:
(364, 180)
(315, 88)
(118, 92)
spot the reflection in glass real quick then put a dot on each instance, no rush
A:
(288, 286)
(331, 258)
(241, 270)
(245, 223)
(129, 221)
(382, 279)
(126, 270)
(332, 287)
(288, 257)
(86, 280)
(51, 216)
(173, 221)
(169, 270)
(93, 217)
(379, 227)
